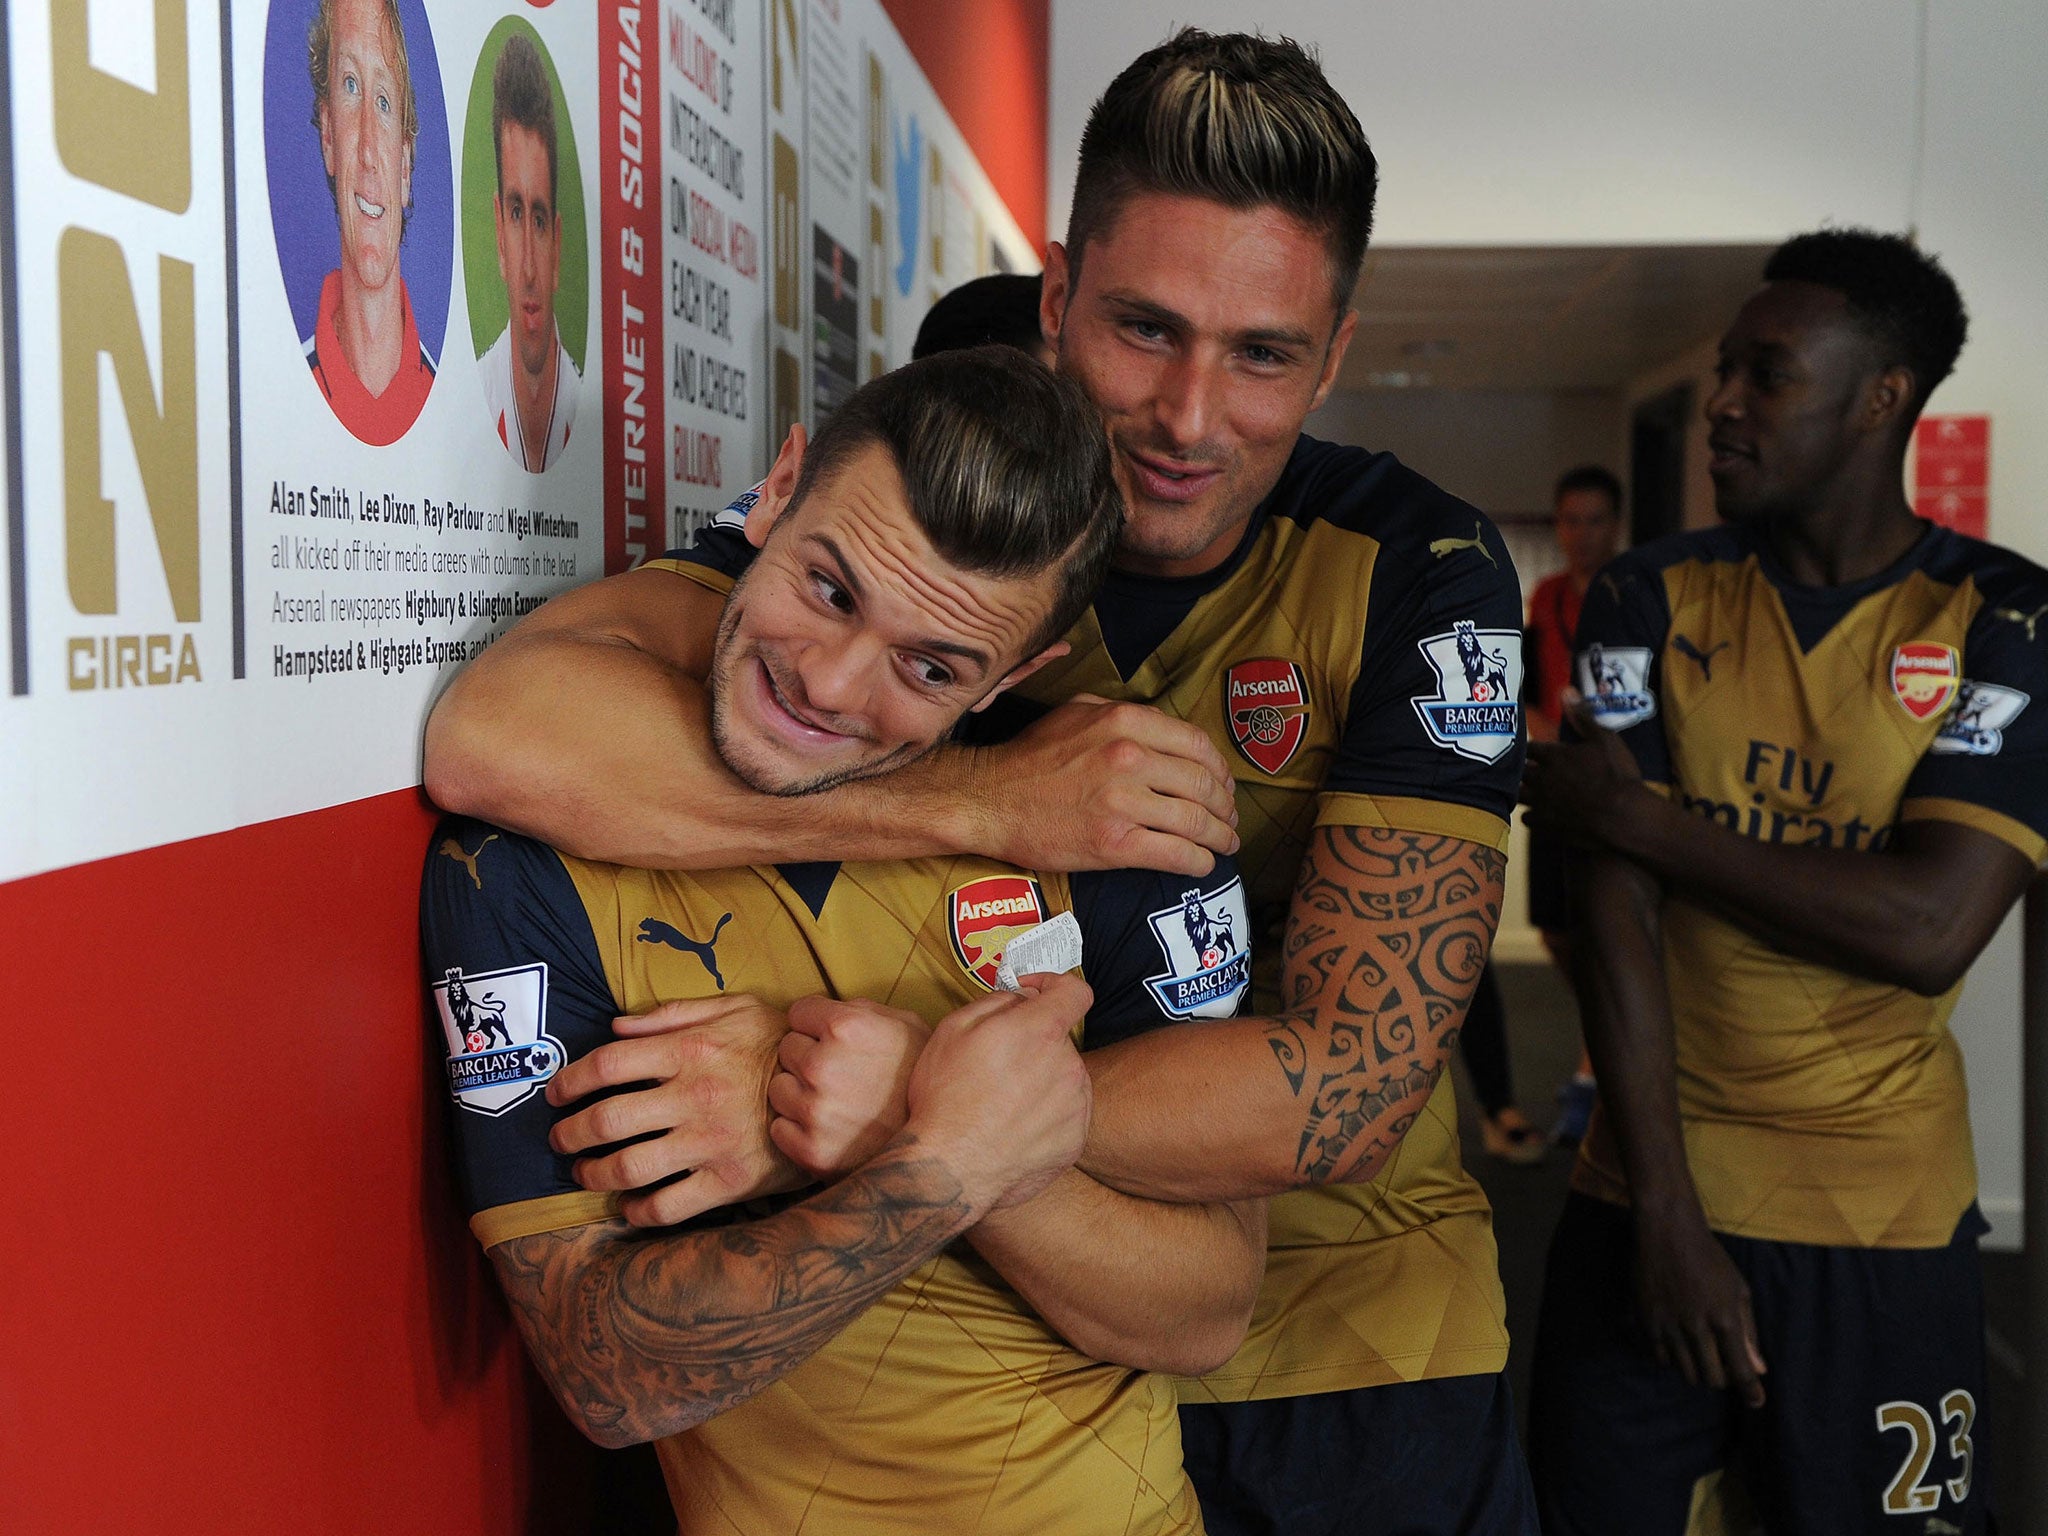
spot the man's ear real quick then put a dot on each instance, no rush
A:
(779, 488)
(1052, 294)
(326, 143)
(405, 185)
(1017, 674)
(1333, 360)
(1889, 398)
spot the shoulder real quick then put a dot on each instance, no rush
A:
(2003, 576)
(1357, 490)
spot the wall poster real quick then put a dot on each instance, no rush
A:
(353, 330)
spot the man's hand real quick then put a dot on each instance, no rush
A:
(1000, 1093)
(1096, 785)
(707, 1064)
(1580, 787)
(843, 1090)
(1694, 1304)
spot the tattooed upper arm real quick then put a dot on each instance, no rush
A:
(643, 1335)
(1385, 942)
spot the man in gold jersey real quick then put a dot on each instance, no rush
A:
(834, 1364)
(1822, 782)
(1306, 642)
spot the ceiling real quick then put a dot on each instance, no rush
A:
(1539, 317)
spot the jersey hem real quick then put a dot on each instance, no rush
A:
(1401, 813)
(703, 575)
(1307, 1381)
(548, 1213)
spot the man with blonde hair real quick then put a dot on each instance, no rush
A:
(365, 352)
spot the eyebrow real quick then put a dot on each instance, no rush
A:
(1266, 336)
(844, 573)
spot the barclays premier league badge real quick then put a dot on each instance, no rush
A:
(498, 1053)
(1477, 710)
(1615, 680)
(1208, 963)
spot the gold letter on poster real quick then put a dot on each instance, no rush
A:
(116, 135)
(786, 235)
(781, 14)
(96, 315)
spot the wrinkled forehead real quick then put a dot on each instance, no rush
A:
(856, 524)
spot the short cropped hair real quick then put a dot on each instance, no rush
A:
(520, 94)
(320, 65)
(1589, 477)
(1901, 297)
(1006, 464)
(1239, 119)
(1001, 308)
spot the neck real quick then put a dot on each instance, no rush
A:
(370, 325)
(534, 394)
(1858, 524)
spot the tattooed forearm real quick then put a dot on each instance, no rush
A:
(1385, 943)
(643, 1336)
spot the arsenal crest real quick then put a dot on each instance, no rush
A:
(1924, 677)
(984, 915)
(1266, 705)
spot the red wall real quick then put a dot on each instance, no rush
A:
(989, 60)
(236, 1293)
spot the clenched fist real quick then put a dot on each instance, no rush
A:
(843, 1088)
(1000, 1092)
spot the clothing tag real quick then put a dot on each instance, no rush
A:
(1051, 948)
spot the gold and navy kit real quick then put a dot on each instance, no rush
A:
(1820, 1107)
(1358, 661)
(948, 1405)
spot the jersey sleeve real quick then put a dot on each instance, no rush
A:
(1988, 764)
(1619, 659)
(1161, 949)
(720, 554)
(515, 989)
(1433, 736)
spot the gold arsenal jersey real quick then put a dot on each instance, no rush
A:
(949, 1405)
(1357, 660)
(1819, 1107)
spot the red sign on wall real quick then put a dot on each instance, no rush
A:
(1952, 472)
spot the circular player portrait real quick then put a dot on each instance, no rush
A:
(362, 201)
(523, 246)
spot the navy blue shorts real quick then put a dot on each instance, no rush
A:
(1874, 1393)
(1419, 1458)
(1550, 894)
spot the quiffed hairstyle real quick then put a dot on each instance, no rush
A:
(1589, 477)
(520, 94)
(320, 65)
(1001, 308)
(1899, 294)
(1006, 464)
(1239, 119)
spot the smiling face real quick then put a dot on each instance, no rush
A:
(363, 141)
(851, 646)
(1792, 402)
(1205, 334)
(529, 243)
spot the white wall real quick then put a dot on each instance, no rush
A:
(1595, 121)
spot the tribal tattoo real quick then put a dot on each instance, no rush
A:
(645, 1335)
(1385, 942)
